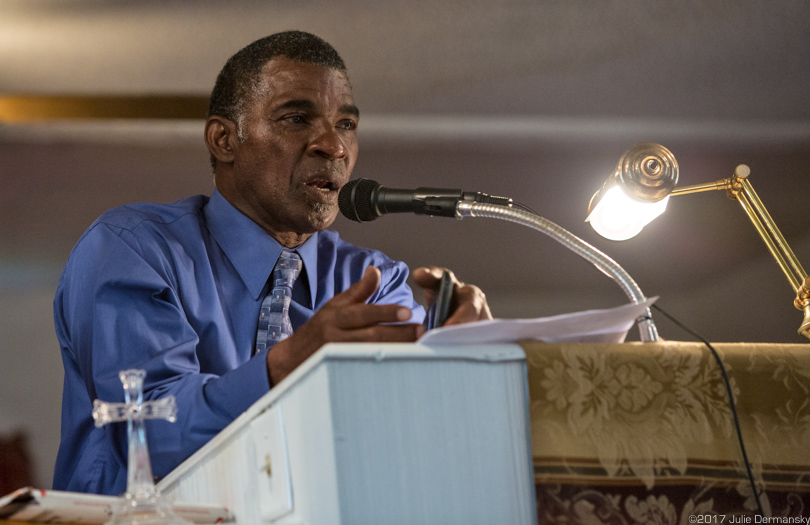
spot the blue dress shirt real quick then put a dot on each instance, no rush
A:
(176, 290)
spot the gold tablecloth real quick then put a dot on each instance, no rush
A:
(643, 432)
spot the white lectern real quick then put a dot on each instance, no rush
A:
(377, 434)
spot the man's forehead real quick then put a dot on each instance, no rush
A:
(282, 69)
(305, 104)
(289, 81)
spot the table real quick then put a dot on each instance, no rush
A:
(643, 432)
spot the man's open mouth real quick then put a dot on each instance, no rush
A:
(322, 185)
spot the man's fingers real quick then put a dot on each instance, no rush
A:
(401, 333)
(429, 279)
(471, 306)
(469, 303)
(344, 318)
(429, 276)
(360, 291)
(362, 315)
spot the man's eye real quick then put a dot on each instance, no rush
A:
(295, 119)
(348, 125)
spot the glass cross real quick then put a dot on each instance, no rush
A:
(141, 504)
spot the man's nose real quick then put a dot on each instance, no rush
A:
(329, 144)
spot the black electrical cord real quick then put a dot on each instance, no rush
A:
(730, 401)
(524, 208)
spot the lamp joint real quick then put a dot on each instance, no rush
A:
(803, 295)
(734, 187)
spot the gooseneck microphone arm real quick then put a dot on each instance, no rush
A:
(646, 327)
(364, 200)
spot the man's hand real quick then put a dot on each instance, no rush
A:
(469, 302)
(345, 318)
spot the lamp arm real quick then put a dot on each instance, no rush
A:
(771, 235)
(739, 187)
(779, 248)
(722, 184)
(646, 326)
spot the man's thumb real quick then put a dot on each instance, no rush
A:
(360, 291)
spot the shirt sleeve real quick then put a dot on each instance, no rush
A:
(394, 289)
(119, 307)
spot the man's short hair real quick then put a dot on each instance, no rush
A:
(241, 78)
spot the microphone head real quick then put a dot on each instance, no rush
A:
(354, 200)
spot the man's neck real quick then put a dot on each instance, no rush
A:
(289, 239)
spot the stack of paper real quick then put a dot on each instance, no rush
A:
(55, 506)
(591, 326)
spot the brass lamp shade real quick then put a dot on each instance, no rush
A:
(647, 172)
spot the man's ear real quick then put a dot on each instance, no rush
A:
(221, 138)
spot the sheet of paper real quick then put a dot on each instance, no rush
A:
(56, 506)
(608, 326)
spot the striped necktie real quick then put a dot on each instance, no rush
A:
(274, 318)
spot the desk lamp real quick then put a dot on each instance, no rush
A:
(638, 191)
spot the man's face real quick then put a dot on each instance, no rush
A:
(300, 148)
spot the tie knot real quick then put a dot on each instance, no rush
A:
(288, 260)
(287, 268)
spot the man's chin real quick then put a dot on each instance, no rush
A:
(319, 208)
(322, 215)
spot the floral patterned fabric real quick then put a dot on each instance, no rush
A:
(644, 433)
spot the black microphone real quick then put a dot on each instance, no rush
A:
(364, 200)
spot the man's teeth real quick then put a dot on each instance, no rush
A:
(320, 185)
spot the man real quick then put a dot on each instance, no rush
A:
(178, 290)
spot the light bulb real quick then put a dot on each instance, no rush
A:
(618, 217)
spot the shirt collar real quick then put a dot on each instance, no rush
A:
(251, 250)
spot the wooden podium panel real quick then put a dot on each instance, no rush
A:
(372, 434)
